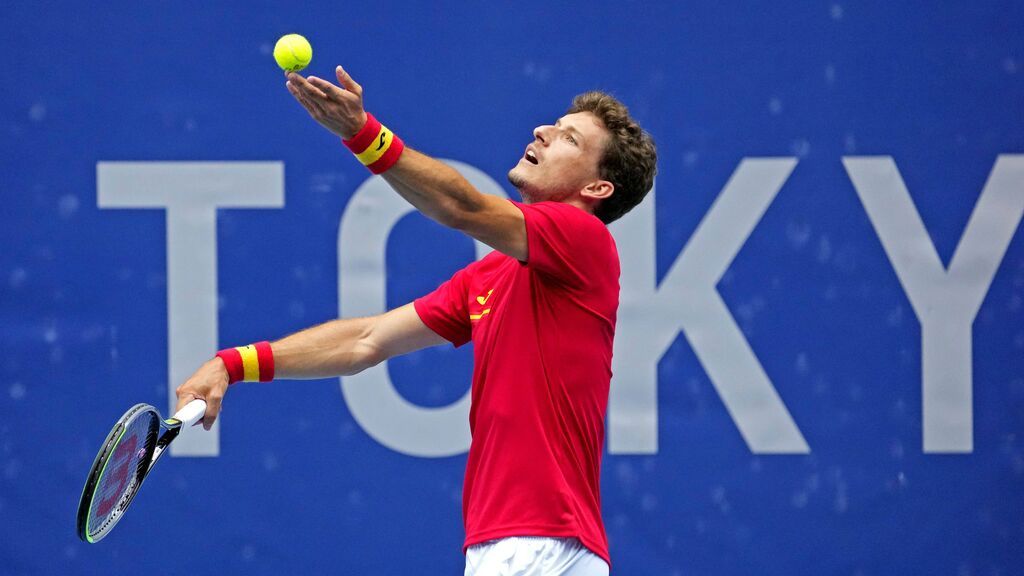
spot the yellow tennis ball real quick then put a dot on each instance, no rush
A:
(293, 52)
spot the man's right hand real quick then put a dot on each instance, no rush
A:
(209, 383)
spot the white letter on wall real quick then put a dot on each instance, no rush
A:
(382, 412)
(946, 302)
(651, 315)
(191, 192)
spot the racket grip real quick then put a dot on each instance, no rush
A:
(191, 413)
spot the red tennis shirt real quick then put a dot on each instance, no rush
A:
(542, 334)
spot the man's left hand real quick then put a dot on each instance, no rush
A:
(337, 108)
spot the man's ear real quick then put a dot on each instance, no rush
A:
(598, 190)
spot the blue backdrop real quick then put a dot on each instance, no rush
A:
(299, 486)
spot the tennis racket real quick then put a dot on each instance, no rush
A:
(128, 454)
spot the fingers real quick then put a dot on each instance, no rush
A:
(309, 95)
(330, 91)
(347, 82)
(308, 102)
(318, 89)
(213, 403)
(298, 94)
(183, 399)
(305, 87)
(336, 109)
(209, 383)
(185, 395)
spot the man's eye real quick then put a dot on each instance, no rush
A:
(571, 139)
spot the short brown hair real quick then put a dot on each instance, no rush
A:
(630, 159)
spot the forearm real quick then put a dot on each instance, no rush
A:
(434, 188)
(335, 348)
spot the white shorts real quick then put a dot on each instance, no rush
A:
(533, 556)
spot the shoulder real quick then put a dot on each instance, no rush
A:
(491, 260)
(569, 244)
(560, 214)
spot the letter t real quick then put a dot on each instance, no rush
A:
(191, 192)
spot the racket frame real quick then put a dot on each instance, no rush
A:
(166, 431)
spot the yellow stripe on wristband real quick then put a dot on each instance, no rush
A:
(378, 147)
(250, 363)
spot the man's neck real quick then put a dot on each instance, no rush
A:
(573, 200)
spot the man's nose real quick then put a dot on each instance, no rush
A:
(540, 133)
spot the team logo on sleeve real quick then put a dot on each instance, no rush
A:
(482, 300)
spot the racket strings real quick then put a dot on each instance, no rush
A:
(121, 474)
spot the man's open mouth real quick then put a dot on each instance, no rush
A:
(530, 157)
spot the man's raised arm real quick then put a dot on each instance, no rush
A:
(434, 188)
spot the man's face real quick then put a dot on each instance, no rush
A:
(562, 159)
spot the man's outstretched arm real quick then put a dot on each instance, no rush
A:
(348, 346)
(336, 348)
(434, 188)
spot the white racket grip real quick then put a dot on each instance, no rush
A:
(191, 413)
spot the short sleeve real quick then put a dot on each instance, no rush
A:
(566, 243)
(446, 309)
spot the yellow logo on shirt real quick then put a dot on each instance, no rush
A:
(482, 300)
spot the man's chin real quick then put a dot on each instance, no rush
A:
(516, 179)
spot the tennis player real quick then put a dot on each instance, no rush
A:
(540, 311)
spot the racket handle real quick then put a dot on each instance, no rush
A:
(191, 413)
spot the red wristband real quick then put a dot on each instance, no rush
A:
(266, 358)
(376, 146)
(251, 363)
(233, 362)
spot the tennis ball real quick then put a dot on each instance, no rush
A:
(292, 52)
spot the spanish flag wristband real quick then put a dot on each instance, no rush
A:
(376, 146)
(252, 363)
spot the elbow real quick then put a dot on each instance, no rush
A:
(454, 218)
(462, 206)
(365, 354)
(462, 215)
